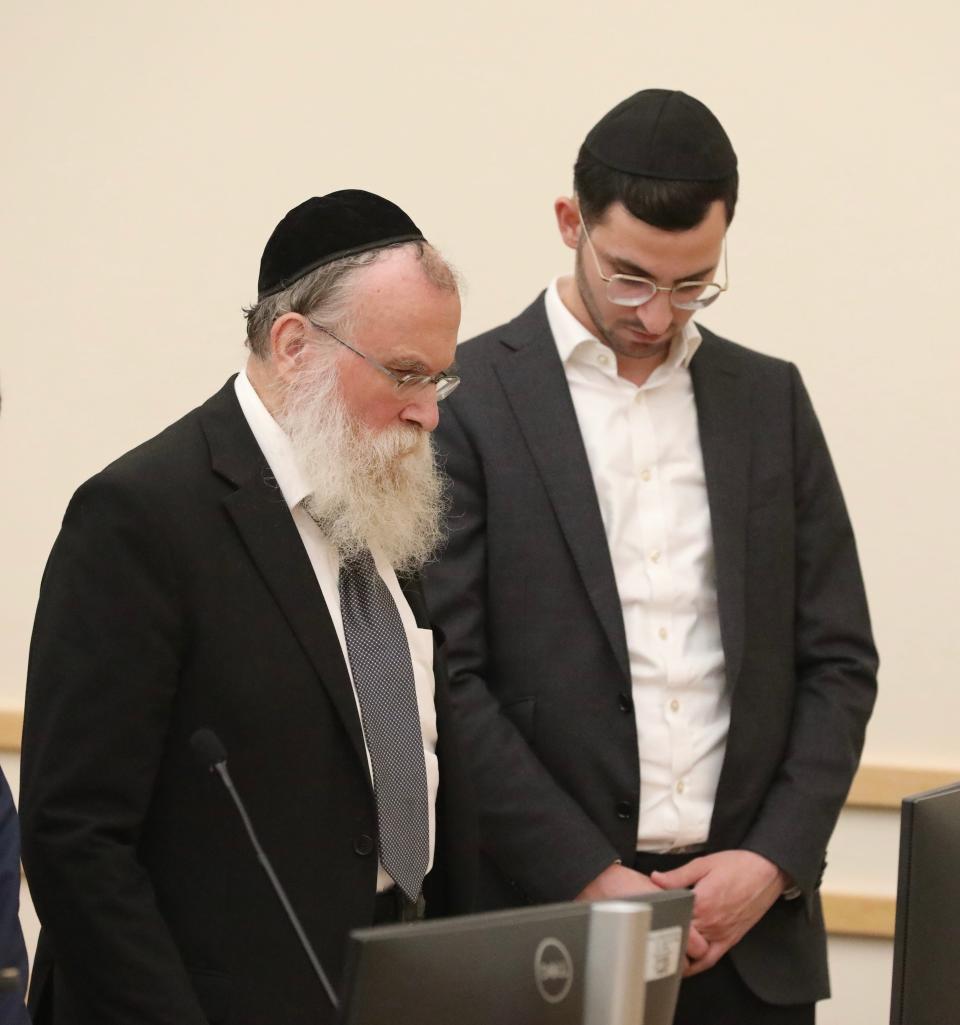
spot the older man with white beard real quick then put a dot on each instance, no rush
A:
(253, 570)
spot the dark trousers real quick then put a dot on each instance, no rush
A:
(719, 996)
(391, 907)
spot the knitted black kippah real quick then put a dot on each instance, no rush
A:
(659, 133)
(327, 228)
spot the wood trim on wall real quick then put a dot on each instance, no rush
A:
(11, 728)
(846, 914)
(876, 786)
(849, 914)
(885, 786)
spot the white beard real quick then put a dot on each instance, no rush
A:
(368, 489)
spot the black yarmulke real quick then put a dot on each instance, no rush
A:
(659, 133)
(327, 228)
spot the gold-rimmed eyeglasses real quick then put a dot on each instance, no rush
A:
(627, 290)
(406, 384)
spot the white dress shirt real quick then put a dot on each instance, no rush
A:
(325, 561)
(644, 452)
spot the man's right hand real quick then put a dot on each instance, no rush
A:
(618, 881)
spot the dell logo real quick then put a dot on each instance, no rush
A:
(552, 970)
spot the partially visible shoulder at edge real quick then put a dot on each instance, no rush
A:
(479, 348)
(153, 466)
(173, 446)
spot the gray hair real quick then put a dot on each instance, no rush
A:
(324, 294)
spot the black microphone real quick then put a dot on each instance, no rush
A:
(208, 748)
(212, 755)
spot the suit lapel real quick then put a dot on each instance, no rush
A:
(722, 410)
(531, 374)
(264, 522)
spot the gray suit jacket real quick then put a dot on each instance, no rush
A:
(527, 598)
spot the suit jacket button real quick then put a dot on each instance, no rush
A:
(624, 809)
(363, 845)
(626, 705)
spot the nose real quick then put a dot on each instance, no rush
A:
(422, 409)
(657, 314)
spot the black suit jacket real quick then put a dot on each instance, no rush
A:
(178, 595)
(13, 953)
(538, 658)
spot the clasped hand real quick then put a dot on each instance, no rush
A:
(732, 890)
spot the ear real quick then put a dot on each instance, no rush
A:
(567, 211)
(287, 340)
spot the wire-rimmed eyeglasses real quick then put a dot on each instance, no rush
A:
(627, 290)
(406, 384)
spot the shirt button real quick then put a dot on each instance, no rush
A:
(655, 555)
(645, 475)
(625, 703)
(674, 705)
(680, 786)
(662, 633)
(624, 809)
(363, 845)
(603, 359)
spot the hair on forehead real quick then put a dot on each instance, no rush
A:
(662, 203)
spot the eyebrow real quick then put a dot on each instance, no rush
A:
(412, 365)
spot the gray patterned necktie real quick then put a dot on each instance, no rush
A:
(383, 678)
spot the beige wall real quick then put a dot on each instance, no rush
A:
(150, 148)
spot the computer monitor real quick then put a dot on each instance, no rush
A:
(926, 980)
(559, 964)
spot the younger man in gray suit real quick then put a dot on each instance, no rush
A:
(654, 612)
